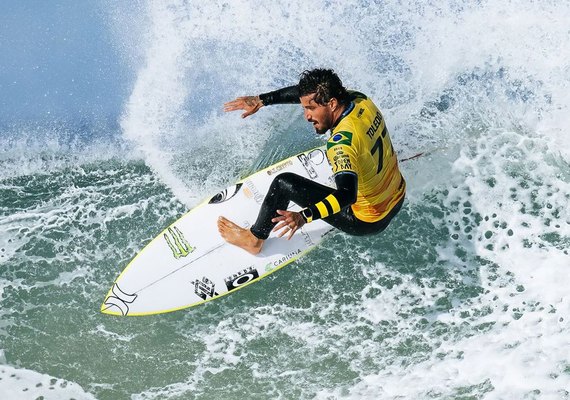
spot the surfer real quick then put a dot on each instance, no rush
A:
(370, 188)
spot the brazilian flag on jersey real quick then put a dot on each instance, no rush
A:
(342, 137)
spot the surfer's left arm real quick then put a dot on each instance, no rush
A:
(286, 95)
(344, 196)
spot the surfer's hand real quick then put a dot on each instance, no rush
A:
(250, 104)
(288, 222)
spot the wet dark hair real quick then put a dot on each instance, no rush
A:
(325, 83)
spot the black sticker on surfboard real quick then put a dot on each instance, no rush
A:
(307, 164)
(225, 194)
(204, 288)
(241, 278)
(120, 300)
(317, 156)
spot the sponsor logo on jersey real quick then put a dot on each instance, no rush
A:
(341, 161)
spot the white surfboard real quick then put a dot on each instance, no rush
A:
(189, 263)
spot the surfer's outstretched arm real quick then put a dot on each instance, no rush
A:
(252, 104)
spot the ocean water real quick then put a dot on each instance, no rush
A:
(465, 296)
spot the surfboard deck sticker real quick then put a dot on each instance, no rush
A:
(189, 263)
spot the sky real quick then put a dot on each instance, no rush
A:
(58, 61)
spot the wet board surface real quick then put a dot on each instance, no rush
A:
(189, 263)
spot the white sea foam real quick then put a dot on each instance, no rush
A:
(510, 208)
(21, 383)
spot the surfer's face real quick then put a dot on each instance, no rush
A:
(321, 116)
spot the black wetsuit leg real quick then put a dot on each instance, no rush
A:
(288, 187)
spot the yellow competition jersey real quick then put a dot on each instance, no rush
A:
(360, 143)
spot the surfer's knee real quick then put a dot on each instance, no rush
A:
(284, 181)
(285, 177)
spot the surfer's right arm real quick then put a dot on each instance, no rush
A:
(251, 104)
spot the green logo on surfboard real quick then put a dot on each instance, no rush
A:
(177, 243)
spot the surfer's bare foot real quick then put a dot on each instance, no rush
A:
(239, 236)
